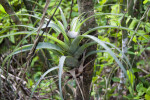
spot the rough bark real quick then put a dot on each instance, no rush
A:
(86, 6)
(121, 85)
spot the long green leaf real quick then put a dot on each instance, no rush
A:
(98, 14)
(109, 26)
(42, 77)
(61, 64)
(95, 16)
(63, 18)
(128, 62)
(75, 44)
(9, 56)
(41, 45)
(61, 26)
(81, 49)
(74, 23)
(94, 52)
(62, 44)
(53, 26)
(108, 50)
(8, 27)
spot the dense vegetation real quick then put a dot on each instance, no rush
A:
(74, 49)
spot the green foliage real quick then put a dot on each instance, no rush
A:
(2, 11)
(142, 92)
(66, 53)
(146, 1)
(131, 77)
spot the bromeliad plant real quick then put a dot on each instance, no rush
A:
(69, 49)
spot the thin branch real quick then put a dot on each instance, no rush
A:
(70, 11)
(31, 53)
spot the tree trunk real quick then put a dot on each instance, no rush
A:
(86, 6)
(11, 12)
(121, 85)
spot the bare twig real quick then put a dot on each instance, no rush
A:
(12, 77)
(38, 37)
(31, 53)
